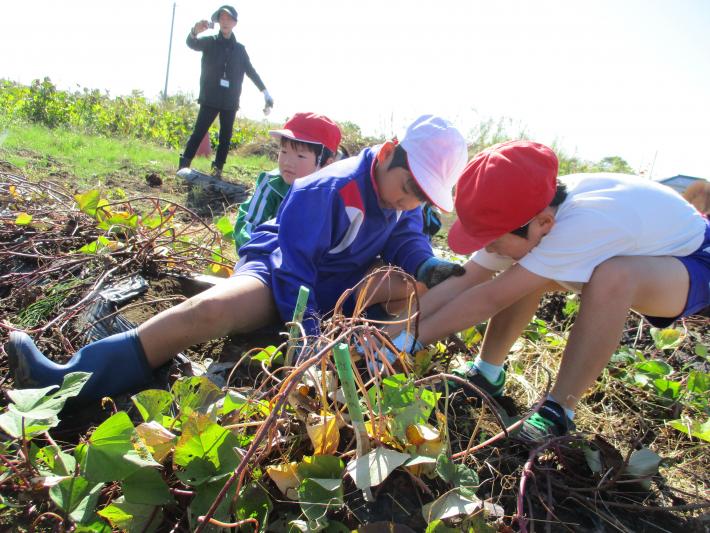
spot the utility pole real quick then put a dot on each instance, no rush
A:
(170, 49)
(653, 164)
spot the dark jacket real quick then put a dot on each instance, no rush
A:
(223, 57)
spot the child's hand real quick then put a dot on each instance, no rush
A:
(434, 270)
(404, 342)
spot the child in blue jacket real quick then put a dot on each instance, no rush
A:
(329, 230)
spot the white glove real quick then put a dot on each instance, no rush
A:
(268, 102)
(404, 342)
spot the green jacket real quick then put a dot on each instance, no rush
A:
(269, 192)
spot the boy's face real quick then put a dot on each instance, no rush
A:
(396, 190)
(295, 161)
(517, 247)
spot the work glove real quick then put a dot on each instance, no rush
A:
(434, 270)
(268, 102)
(404, 342)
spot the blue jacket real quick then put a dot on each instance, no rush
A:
(328, 232)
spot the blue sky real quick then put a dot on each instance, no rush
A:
(628, 78)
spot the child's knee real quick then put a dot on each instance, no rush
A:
(613, 276)
(206, 310)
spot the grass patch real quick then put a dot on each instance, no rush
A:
(89, 156)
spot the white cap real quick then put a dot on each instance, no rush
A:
(437, 154)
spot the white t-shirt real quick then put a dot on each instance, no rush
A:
(607, 215)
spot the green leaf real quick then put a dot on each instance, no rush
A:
(115, 451)
(321, 487)
(88, 201)
(458, 475)
(253, 502)
(37, 409)
(270, 355)
(626, 355)
(666, 339)
(40, 404)
(77, 497)
(206, 450)
(235, 401)
(438, 526)
(698, 382)
(373, 468)
(643, 463)
(321, 466)
(316, 501)
(125, 220)
(128, 516)
(97, 526)
(146, 486)
(693, 428)
(59, 462)
(451, 504)
(571, 305)
(654, 369)
(405, 403)
(701, 350)
(153, 404)
(667, 388)
(225, 227)
(23, 219)
(195, 394)
(206, 495)
(12, 424)
(97, 246)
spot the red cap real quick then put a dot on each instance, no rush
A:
(500, 190)
(311, 128)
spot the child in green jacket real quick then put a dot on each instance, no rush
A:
(308, 143)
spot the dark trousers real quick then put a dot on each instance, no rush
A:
(205, 118)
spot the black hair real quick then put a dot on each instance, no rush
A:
(399, 160)
(557, 199)
(322, 152)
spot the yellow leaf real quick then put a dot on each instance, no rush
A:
(221, 271)
(385, 438)
(420, 433)
(285, 477)
(324, 433)
(159, 440)
(23, 219)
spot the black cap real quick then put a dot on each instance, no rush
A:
(229, 10)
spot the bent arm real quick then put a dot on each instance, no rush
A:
(479, 303)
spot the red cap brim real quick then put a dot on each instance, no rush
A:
(461, 242)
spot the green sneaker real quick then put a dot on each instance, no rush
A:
(471, 373)
(549, 422)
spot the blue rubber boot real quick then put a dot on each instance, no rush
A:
(117, 363)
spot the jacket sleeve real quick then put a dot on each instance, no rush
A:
(251, 72)
(305, 229)
(257, 209)
(199, 44)
(407, 246)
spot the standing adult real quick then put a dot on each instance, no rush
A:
(224, 64)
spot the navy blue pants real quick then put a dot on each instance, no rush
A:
(205, 118)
